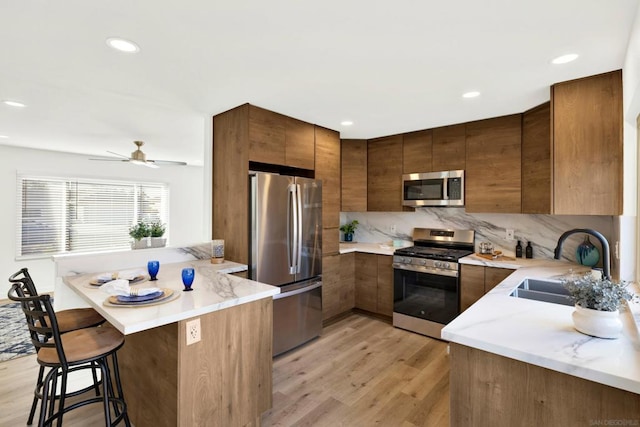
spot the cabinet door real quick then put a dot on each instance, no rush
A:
(449, 148)
(587, 145)
(331, 273)
(354, 175)
(347, 282)
(493, 276)
(384, 174)
(299, 144)
(493, 174)
(416, 152)
(327, 169)
(366, 282)
(266, 136)
(536, 160)
(471, 285)
(385, 285)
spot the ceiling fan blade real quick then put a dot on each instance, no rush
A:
(167, 162)
(118, 154)
(109, 159)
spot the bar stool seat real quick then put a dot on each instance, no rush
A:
(83, 345)
(78, 318)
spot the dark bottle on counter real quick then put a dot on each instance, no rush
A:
(529, 250)
(519, 250)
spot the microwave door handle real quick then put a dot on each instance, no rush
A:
(445, 188)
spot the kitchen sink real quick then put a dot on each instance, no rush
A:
(543, 290)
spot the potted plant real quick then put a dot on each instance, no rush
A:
(156, 230)
(348, 229)
(140, 231)
(597, 302)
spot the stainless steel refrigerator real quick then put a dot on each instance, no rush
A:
(286, 250)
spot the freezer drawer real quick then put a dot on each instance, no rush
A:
(297, 315)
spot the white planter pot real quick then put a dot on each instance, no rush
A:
(158, 242)
(601, 324)
(143, 243)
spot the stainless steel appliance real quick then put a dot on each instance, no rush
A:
(433, 189)
(426, 285)
(286, 251)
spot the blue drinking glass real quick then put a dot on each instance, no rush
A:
(188, 274)
(153, 267)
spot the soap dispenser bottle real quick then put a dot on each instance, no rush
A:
(529, 250)
(519, 250)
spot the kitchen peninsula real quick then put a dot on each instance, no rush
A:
(222, 379)
(521, 362)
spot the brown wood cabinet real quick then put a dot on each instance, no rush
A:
(327, 169)
(331, 270)
(587, 145)
(374, 283)
(449, 148)
(492, 390)
(280, 140)
(354, 175)
(384, 174)
(536, 160)
(493, 172)
(477, 280)
(417, 151)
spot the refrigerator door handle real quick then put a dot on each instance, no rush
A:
(292, 229)
(299, 243)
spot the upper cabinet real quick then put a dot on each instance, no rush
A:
(536, 160)
(449, 148)
(327, 169)
(384, 172)
(493, 176)
(354, 175)
(586, 117)
(276, 139)
(417, 152)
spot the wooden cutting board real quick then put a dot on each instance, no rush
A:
(497, 257)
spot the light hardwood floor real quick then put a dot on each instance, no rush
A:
(360, 372)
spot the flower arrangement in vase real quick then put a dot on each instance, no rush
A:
(597, 301)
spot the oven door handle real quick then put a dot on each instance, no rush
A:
(426, 270)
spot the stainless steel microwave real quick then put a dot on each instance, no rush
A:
(433, 189)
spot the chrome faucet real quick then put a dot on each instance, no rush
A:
(606, 262)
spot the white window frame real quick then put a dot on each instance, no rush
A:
(21, 176)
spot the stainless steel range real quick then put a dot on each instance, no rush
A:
(426, 286)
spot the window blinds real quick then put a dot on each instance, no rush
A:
(62, 215)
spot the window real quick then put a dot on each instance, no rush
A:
(63, 215)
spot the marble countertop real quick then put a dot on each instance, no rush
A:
(213, 289)
(371, 248)
(542, 333)
(509, 264)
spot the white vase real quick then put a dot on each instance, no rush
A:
(601, 324)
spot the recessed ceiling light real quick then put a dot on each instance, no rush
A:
(346, 123)
(14, 103)
(472, 94)
(122, 45)
(565, 58)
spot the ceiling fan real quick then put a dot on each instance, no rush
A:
(140, 158)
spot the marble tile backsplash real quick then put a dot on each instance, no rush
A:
(542, 231)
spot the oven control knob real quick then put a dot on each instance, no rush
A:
(445, 265)
(422, 262)
(437, 264)
(407, 260)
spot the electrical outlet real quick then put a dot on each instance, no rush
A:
(193, 331)
(510, 234)
(392, 228)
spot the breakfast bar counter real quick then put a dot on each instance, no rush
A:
(198, 358)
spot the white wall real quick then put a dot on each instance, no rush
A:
(628, 223)
(189, 212)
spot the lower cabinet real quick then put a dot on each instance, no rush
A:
(476, 280)
(374, 283)
(338, 287)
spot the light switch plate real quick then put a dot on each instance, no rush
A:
(193, 331)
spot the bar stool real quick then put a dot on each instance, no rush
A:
(87, 348)
(68, 320)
